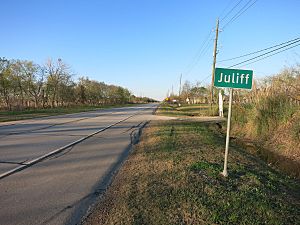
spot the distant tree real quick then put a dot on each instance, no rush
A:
(30, 81)
(5, 82)
(24, 84)
(34, 81)
(186, 90)
(58, 80)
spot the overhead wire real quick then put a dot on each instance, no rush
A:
(231, 10)
(202, 45)
(206, 44)
(284, 46)
(264, 53)
(205, 78)
(262, 50)
(201, 51)
(272, 54)
(224, 10)
(240, 12)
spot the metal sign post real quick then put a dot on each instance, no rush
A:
(224, 173)
(231, 78)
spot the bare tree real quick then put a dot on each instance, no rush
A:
(5, 82)
(58, 78)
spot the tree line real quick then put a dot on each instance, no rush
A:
(192, 93)
(285, 85)
(25, 84)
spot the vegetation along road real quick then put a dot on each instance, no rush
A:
(173, 177)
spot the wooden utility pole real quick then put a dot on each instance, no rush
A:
(180, 85)
(214, 63)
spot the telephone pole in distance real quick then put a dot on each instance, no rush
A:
(214, 63)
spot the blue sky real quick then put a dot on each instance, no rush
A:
(145, 45)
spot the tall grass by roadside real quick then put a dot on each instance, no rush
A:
(264, 116)
(271, 118)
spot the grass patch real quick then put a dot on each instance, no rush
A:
(187, 110)
(35, 113)
(173, 177)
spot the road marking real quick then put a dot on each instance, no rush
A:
(56, 151)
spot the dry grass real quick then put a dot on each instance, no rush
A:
(276, 140)
(172, 177)
(271, 119)
(287, 138)
(186, 110)
(125, 200)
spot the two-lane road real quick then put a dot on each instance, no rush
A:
(60, 188)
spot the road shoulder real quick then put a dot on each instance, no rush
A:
(173, 177)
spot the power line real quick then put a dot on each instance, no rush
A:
(231, 10)
(264, 54)
(196, 61)
(272, 54)
(205, 78)
(252, 53)
(197, 53)
(225, 8)
(202, 50)
(205, 44)
(240, 12)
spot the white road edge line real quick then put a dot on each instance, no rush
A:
(58, 150)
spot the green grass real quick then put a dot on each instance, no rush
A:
(35, 113)
(187, 110)
(173, 177)
(252, 194)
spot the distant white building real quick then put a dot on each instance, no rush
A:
(187, 100)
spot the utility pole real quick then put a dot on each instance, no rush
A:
(214, 63)
(180, 85)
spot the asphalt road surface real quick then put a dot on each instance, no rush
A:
(60, 188)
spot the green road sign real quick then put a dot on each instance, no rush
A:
(233, 78)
